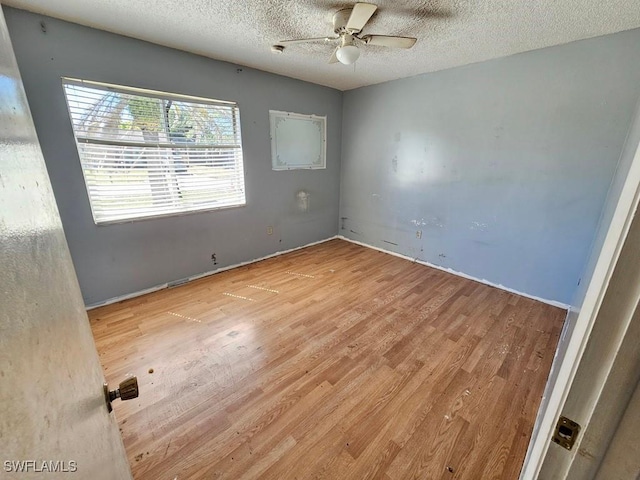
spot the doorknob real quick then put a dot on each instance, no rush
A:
(127, 390)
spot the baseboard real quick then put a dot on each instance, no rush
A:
(283, 252)
(554, 303)
(182, 281)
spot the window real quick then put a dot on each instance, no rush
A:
(148, 154)
(297, 141)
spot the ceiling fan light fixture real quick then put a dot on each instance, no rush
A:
(348, 54)
(347, 28)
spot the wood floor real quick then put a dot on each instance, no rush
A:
(336, 362)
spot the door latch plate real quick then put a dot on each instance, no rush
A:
(566, 432)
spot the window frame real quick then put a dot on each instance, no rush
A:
(277, 119)
(156, 95)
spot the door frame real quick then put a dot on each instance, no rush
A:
(616, 236)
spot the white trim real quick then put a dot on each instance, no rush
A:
(607, 260)
(200, 275)
(554, 303)
(146, 92)
(341, 237)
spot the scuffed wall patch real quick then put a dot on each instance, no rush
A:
(303, 200)
(483, 227)
(429, 222)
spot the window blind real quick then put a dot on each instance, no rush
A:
(147, 154)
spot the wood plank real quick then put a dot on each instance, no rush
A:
(335, 361)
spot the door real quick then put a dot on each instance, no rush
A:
(53, 415)
(622, 459)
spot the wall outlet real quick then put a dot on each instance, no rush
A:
(269, 230)
(419, 234)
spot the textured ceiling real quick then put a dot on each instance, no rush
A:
(450, 32)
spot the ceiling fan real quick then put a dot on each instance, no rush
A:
(347, 26)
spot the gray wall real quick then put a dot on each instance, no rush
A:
(622, 170)
(504, 165)
(119, 259)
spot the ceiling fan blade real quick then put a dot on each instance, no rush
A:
(334, 58)
(360, 15)
(390, 41)
(306, 40)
